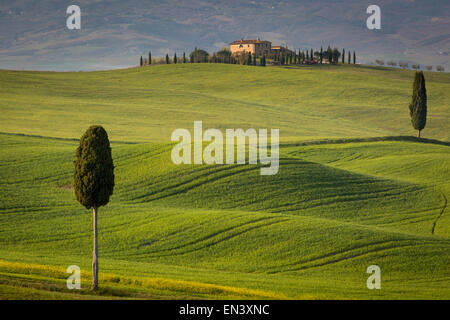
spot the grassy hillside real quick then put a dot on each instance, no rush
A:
(147, 104)
(190, 231)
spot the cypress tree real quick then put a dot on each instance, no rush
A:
(418, 105)
(307, 55)
(167, 59)
(249, 60)
(349, 58)
(142, 62)
(149, 57)
(354, 57)
(254, 59)
(311, 56)
(343, 56)
(184, 57)
(175, 58)
(94, 179)
(321, 55)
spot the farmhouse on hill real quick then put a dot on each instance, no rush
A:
(257, 47)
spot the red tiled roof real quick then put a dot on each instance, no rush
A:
(242, 41)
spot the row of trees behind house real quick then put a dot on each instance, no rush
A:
(331, 56)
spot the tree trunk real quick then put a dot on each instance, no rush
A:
(418, 135)
(94, 252)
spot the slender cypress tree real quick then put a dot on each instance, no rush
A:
(94, 179)
(349, 58)
(307, 56)
(354, 57)
(184, 57)
(149, 57)
(175, 58)
(142, 62)
(254, 59)
(167, 59)
(311, 56)
(321, 55)
(343, 56)
(418, 105)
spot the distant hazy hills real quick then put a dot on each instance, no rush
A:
(33, 34)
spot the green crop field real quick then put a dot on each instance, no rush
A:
(354, 188)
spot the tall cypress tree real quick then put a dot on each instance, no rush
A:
(94, 179)
(149, 57)
(175, 58)
(321, 55)
(142, 62)
(349, 58)
(167, 59)
(184, 57)
(418, 105)
(343, 56)
(311, 55)
(354, 57)
(254, 59)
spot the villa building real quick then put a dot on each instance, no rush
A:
(257, 47)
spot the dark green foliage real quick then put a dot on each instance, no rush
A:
(94, 169)
(329, 55)
(184, 57)
(198, 55)
(343, 56)
(175, 58)
(311, 56)
(142, 62)
(336, 54)
(418, 105)
(167, 59)
(224, 56)
(149, 57)
(349, 58)
(354, 57)
(321, 55)
(254, 59)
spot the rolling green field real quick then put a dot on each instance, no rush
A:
(353, 190)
